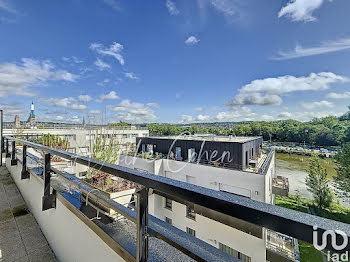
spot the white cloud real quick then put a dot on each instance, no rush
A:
(172, 9)
(339, 95)
(17, 78)
(268, 91)
(325, 47)
(73, 59)
(94, 112)
(131, 75)
(266, 118)
(67, 102)
(110, 96)
(284, 115)
(134, 112)
(192, 40)
(155, 105)
(105, 81)
(300, 10)
(243, 113)
(12, 109)
(203, 117)
(74, 119)
(84, 98)
(7, 7)
(317, 104)
(59, 118)
(101, 65)
(192, 119)
(186, 119)
(226, 7)
(114, 50)
(307, 115)
(255, 99)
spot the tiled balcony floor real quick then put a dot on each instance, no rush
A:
(21, 239)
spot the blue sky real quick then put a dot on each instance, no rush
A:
(174, 61)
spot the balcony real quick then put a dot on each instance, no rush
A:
(74, 217)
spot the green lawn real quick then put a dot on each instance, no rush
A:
(335, 212)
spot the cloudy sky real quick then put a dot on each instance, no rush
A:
(174, 60)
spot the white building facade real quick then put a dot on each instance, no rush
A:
(237, 238)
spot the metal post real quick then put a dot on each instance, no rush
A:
(2, 144)
(24, 173)
(7, 149)
(142, 224)
(13, 154)
(1, 138)
(49, 200)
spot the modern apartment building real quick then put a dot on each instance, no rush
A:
(81, 140)
(233, 165)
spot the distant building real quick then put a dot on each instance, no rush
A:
(31, 123)
(17, 122)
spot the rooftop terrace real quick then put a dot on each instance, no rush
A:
(20, 236)
(134, 235)
(233, 139)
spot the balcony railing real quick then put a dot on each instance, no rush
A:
(213, 204)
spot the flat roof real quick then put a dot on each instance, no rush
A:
(234, 139)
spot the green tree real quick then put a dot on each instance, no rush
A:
(342, 160)
(317, 184)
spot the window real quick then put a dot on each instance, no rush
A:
(168, 203)
(191, 155)
(150, 149)
(169, 220)
(143, 148)
(190, 213)
(191, 231)
(178, 153)
(234, 253)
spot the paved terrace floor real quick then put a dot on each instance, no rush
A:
(21, 239)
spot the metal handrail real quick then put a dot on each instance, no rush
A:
(293, 223)
(157, 228)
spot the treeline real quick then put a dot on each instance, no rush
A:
(326, 131)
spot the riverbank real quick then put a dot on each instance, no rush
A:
(294, 162)
(295, 168)
(304, 153)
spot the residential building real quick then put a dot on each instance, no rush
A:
(234, 165)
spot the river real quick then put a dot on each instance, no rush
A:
(295, 168)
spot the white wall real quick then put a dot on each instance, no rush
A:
(247, 184)
(252, 185)
(68, 236)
